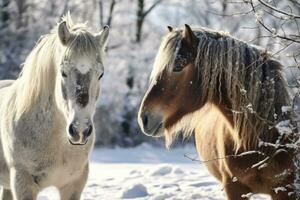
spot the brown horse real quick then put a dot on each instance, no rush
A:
(231, 95)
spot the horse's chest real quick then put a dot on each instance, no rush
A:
(66, 166)
(44, 151)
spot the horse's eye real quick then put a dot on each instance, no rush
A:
(100, 76)
(63, 74)
(178, 68)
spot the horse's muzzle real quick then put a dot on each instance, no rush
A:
(77, 137)
(151, 123)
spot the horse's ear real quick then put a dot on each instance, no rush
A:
(170, 28)
(103, 36)
(189, 36)
(63, 33)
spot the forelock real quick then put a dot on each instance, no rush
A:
(166, 54)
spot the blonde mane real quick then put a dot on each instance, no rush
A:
(38, 76)
(243, 75)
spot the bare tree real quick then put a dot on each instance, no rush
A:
(141, 15)
(4, 13)
(280, 22)
(22, 18)
(110, 14)
(281, 16)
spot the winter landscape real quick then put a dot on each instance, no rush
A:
(147, 172)
(125, 163)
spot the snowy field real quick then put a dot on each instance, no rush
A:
(146, 172)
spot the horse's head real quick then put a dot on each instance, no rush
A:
(80, 68)
(174, 81)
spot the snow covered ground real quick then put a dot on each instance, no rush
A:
(147, 172)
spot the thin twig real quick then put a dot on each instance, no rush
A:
(279, 11)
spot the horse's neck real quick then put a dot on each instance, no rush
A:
(46, 113)
(221, 101)
(257, 131)
(244, 136)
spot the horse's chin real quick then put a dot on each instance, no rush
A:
(159, 134)
(78, 144)
(156, 132)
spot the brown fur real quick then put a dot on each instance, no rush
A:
(230, 94)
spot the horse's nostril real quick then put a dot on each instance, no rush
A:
(72, 130)
(88, 131)
(145, 120)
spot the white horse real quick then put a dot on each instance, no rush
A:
(46, 115)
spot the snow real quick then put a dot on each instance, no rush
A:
(147, 172)
(278, 189)
(284, 127)
(134, 191)
(248, 195)
(161, 170)
(286, 109)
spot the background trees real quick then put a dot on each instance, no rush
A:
(136, 30)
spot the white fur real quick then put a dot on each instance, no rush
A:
(34, 116)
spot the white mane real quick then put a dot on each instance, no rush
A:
(37, 79)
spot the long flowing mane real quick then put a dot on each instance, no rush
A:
(244, 76)
(38, 76)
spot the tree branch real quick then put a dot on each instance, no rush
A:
(111, 10)
(101, 12)
(151, 8)
(279, 11)
(269, 30)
